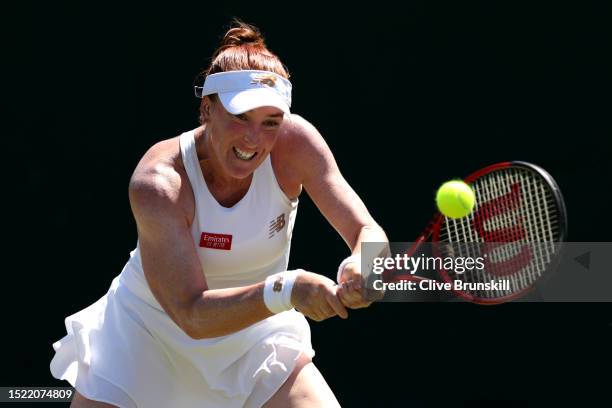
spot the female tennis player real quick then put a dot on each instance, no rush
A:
(204, 312)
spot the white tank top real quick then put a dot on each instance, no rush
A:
(127, 349)
(237, 246)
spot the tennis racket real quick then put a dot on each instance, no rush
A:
(517, 223)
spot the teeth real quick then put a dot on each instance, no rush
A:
(243, 155)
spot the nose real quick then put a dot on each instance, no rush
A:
(252, 137)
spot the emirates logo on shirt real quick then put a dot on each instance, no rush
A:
(216, 241)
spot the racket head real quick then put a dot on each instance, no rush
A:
(519, 214)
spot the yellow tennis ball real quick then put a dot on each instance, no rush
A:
(455, 199)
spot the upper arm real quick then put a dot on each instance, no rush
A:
(169, 257)
(324, 182)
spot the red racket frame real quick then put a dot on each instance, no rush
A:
(433, 231)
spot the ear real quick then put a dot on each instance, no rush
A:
(205, 109)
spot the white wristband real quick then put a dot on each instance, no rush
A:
(277, 291)
(356, 258)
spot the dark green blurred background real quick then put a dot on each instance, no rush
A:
(407, 97)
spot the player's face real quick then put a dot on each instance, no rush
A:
(242, 142)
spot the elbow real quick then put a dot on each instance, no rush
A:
(196, 329)
(199, 333)
(187, 324)
(195, 332)
(189, 331)
(183, 318)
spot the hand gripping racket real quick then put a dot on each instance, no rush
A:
(517, 224)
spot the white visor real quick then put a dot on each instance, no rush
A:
(241, 91)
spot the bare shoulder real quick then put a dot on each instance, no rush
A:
(160, 183)
(298, 133)
(303, 148)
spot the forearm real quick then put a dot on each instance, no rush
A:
(379, 246)
(218, 312)
(369, 233)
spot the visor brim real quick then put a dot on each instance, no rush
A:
(249, 99)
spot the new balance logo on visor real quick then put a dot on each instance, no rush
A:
(267, 80)
(276, 225)
(216, 241)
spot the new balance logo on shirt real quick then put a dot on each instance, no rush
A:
(276, 225)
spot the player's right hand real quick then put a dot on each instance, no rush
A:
(314, 296)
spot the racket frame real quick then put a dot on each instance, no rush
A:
(433, 230)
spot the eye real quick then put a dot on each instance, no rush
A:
(271, 123)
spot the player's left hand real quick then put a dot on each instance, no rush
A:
(349, 290)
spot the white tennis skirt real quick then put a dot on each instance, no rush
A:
(126, 351)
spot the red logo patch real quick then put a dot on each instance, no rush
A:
(216, 241)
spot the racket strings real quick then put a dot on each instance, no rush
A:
(519, 222)
(533, 270)
(537, 229)
(493, 189)
(485, 192)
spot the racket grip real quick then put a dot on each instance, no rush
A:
(367, 289)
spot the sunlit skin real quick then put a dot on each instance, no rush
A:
(253, 131)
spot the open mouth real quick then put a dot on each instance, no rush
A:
(242, 155)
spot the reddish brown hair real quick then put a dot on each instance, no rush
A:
(243, 48)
